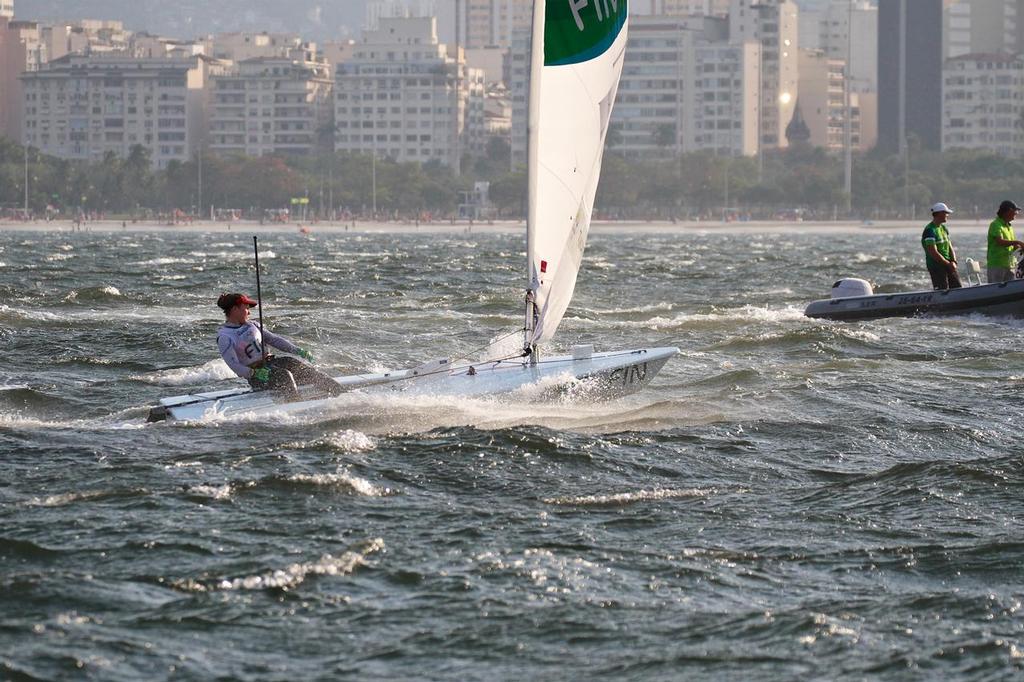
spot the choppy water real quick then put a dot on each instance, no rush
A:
(791, 499)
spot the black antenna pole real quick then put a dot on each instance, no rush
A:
(259, 296)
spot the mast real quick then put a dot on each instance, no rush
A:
(532, 156)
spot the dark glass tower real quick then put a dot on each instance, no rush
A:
(909, 72)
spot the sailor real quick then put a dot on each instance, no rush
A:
(940, 257)
(241, 345)
(1001, 243)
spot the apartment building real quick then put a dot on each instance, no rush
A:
(726, 87)
(242, 46)
(493, 23)
(7, 9)
(404, 96)
(684, 88)
(21, 50)
(774, 25)
(848, 30)
(823, 101)
(982, 103)
(519, 94)
(980, 26)
(649, 115)
(84, 106)
(679, 8)
(270, 105)
(84, 36)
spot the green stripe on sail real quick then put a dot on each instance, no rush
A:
(578, 30)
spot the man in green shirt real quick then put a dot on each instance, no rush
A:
(1001, 243)
(939, 255)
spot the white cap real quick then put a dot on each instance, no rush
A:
(941, 208)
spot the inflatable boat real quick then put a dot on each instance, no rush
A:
(854, 299)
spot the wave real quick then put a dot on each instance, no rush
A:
(350, 441)
(13, 387)
(623, 499)
(63, 499)
(214, 492)
(93, 294)
(214, 370)
(10, 547)
(9, 313)
(340, 480)
(161, 261)
(289, 577)
(744, 314)
(629, 310)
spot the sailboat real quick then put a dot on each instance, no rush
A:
(577, 51)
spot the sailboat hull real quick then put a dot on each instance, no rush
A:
(601, 376)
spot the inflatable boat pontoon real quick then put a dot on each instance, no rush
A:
(854, 299)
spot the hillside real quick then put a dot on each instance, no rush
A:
(315, 19)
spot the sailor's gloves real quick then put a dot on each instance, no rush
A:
(261, 374)
(305, 355)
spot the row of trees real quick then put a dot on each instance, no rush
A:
(695, 185)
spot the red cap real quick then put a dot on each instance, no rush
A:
(228, 301)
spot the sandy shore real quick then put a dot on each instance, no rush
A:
(247, 227)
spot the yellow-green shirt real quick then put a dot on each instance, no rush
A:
(1000, 256)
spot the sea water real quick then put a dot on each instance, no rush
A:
(789, 499)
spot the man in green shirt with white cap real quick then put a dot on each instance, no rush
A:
(938, 250)
(1001, 244)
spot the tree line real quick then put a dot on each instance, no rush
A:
(796, 181)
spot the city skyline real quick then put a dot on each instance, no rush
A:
(314, 19)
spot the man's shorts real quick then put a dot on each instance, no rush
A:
(996, 275)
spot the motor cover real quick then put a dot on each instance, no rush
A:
(850, 287)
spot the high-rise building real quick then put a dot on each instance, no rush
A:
(404, 96)
(684, 87)
(848, 30)
(980, 26)
(679, 8)
(774, 25)
(21, 50)
(519, 94)
(7, 9)
(726, 94)
(823, 101)
(84, 106)
(492, 23)
(271, 105)
(981, 106)
(909, 73)
(649, 114)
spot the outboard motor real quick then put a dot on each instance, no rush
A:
(850, 287)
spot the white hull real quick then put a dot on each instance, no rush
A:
(603, 375)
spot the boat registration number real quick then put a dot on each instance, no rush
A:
(918, 298)
(914, 299)
(629, 376)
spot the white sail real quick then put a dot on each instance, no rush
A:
(578, 48)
